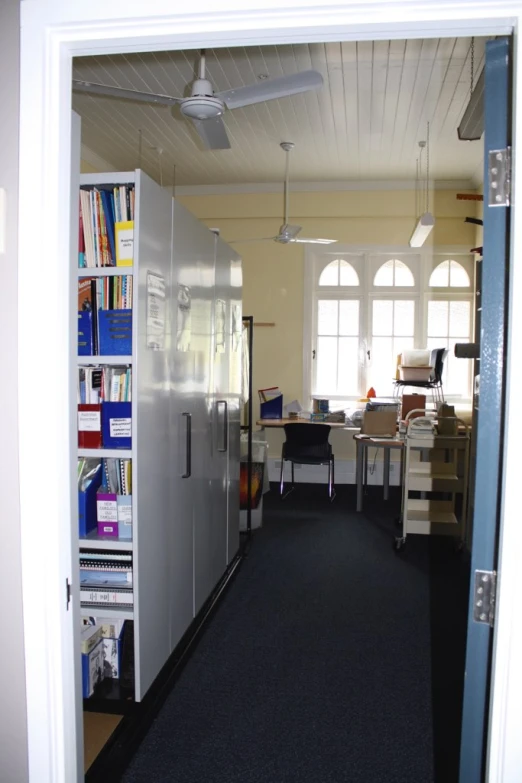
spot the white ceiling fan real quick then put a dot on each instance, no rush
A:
(287, 233)
(205, 108)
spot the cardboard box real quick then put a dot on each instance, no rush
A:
(379, 423)
(411, 402)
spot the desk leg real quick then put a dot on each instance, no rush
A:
(359, 475)
(386, 473)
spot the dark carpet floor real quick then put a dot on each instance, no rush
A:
(331, 658)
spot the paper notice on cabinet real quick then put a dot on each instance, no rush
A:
(156, 312)
(184, 321)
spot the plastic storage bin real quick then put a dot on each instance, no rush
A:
(414, 373)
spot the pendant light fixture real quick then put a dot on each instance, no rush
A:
(426, 221)
(471, 125)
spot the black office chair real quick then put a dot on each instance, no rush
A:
(307, 444)
(434, 383)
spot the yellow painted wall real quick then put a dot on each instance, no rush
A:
(273, 273)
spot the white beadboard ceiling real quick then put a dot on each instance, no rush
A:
(364, 124)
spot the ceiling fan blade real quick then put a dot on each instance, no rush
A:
(212, 133)
(120, 92)
(271, 88)
(315, 241)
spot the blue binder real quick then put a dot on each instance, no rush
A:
(115, 336)
(87, 505)
(116, 425)
(272, 409)
(85, 333)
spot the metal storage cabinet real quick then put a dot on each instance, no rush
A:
(431, 515)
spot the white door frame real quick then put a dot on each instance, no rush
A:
(52, 32)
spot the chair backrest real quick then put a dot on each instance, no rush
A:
(307, 440)
(437, 362)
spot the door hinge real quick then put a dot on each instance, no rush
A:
(499, 177)
(484, 595)
(67, 594)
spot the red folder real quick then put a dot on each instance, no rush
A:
(89, 427)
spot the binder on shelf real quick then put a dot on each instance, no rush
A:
(89, 426)
(124, 508)
(85, 333)
(272, 409)
(124, 232)
(116, 597)
(115, 332)
(107, 513)
(87, 517)
(116, 425)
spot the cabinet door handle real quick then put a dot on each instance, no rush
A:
(188, 447)
(225, 424)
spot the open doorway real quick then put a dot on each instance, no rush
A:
(376, 146)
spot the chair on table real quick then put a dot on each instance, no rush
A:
(307, 444)
(434, 383)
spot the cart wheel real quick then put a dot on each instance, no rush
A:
(399, 543)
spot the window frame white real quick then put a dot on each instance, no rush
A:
(366, 260)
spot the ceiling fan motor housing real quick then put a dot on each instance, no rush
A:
(202, 105)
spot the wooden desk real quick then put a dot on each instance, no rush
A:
(363, 443)
(282, 422)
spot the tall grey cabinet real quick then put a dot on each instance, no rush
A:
(186, 372)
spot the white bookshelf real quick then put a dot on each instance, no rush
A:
(106, 612)
(94, 541)
(104, 271)
(96, 360)
(109, 453)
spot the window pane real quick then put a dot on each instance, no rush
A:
(330, 274)
(349, 317)
(459, 319)
(403, 275)
(440, 275)
(326, 369)
(458, 275)
(348, 275)
(382, 370)
(404, 317)
(348, 381)
(382, 317)
(384, 275)
(437, 318)
(327, 316)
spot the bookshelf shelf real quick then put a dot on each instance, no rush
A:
(116, 453)
(104, 271)
(88, 360)
(107, 611)
(94, 541)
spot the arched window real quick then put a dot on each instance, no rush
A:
(449, 274)
(339, 273)
(393, 273)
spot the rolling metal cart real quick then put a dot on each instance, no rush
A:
(436, 481)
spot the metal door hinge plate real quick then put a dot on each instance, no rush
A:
(499, 177)
(484, 595)
(67, 594)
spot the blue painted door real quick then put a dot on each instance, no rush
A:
(497, 124)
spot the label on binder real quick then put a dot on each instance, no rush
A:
(89, 421)
(107, 510)
(125, 514)
(120, 428)
(124, 243)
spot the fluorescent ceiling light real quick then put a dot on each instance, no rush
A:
(422, 230)
(471, 125)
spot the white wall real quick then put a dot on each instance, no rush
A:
(13, 719)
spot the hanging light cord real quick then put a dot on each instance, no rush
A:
(428, 168)
(472, 64)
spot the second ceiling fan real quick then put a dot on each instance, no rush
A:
(204, 107)
(287, 232)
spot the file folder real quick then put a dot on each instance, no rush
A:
(124, 507)
(85, 335)
(89, 426)
(115, 332)
(107, 513)
(87, 506)
(272, 409)
(117, 425)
